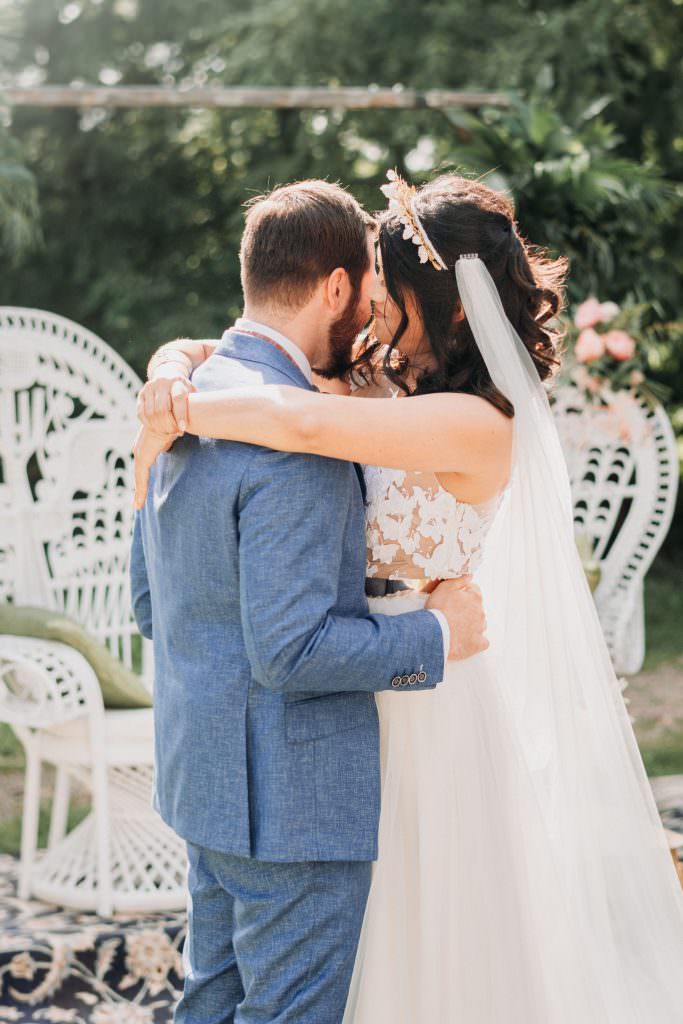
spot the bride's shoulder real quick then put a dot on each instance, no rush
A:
(476, 404)
(469, 414)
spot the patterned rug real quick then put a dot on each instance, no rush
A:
(72, 967)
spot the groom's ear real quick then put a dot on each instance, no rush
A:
(337, 290)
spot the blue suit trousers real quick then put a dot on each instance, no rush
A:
(270, 943)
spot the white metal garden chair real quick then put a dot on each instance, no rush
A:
(623, 465)
(67, 406)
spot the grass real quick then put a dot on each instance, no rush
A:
(664, 613)
(664, 631)
(10, 831)
(666, 757)
(11, 752)
(12, 759)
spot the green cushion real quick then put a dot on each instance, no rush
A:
(120, 688)
(591, 567)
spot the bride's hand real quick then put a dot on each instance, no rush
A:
(162, 403)
(148, 446)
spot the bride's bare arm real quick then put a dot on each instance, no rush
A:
(444, 433)
(172, 364)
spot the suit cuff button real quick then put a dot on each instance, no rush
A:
(396, 681)
(405, 680)
(413, 679)
(422, 677)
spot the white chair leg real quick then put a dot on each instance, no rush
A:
(60, 807)
(100, 810)
(31, 816)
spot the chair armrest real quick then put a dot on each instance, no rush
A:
(43, 682)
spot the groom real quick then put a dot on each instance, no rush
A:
(248, 570)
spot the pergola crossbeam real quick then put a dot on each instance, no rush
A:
(349, 97)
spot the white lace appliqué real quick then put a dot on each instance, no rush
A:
(418, 530)
(415, 529)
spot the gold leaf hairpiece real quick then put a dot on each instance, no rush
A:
(401, 198)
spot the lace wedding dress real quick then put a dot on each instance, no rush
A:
(468, 919)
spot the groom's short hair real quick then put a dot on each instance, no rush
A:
(297, 235)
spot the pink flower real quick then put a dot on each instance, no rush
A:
(592, 312)
(620, 345)
(580, 376)
(589, 313)
(608, 311)
(589, 346)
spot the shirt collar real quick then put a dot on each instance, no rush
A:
(290, 347)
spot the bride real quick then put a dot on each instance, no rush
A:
(523, 875)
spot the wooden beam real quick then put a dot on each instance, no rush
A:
(351, 98)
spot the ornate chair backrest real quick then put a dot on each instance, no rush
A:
(67, 422)
(623, 465)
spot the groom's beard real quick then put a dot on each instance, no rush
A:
(342, 335)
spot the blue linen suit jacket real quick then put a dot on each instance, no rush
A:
(247, 570)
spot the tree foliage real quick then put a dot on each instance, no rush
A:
(19, 218)
(577, 193)
(142, 209)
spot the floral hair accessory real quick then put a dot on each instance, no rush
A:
(401, 198)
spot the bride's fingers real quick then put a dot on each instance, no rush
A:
(148, 398)
(146, 405)
(162, 401)
(140, 470)
(141, 484)
(179, 407)
(163, 423)
(463, 583)
(147, 448)
(154, 407)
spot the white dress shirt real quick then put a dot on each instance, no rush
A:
(302, 361)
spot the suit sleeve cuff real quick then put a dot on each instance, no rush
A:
(446, 633)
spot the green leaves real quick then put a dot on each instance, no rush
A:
(142, 210)
(19, 220)
(574, 192)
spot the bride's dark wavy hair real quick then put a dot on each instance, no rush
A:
(463, 216)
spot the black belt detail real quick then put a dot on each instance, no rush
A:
(380, 588)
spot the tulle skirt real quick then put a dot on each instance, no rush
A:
(473, 916)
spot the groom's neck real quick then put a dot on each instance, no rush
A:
(302, 327)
